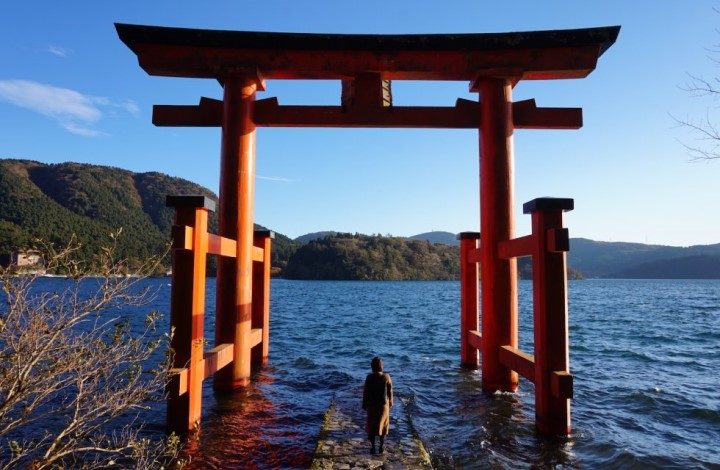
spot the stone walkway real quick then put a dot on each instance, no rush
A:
(343, 444)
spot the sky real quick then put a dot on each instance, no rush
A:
(71, 91)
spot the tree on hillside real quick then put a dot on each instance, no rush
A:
(364, 257)
(75, 374)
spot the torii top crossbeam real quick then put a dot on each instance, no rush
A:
(535, 55)
(366, 60)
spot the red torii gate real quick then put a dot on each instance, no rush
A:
(492, 64)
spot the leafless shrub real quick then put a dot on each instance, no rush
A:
(704, 130)
(74, 375)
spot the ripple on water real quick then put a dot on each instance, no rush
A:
(644, 356)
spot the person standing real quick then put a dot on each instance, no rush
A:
(377, 400)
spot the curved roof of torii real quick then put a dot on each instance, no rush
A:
(533, 55)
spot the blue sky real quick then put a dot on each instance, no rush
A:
(71, 91)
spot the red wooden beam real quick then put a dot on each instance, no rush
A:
(520, 362)
(217, 245)
(218, 54)
(464, 115)
(268, 113)
(213, 360)
(516, 247)
(208, 113)
(258, 254)
(474, 338)
(220, 62)
(526, 115)
(217, 358)
(221, 246)
(474, 255)
(255, 338)
(177, 385)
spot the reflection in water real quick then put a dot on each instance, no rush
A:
(246, 430)
(643, 397)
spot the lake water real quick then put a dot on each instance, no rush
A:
(645, 356)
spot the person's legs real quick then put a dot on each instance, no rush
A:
(371, 438)
(382, 443)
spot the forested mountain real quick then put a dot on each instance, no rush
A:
(53, 202)
(364, 257)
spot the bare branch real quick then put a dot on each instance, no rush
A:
(71, 363)
(704, 132)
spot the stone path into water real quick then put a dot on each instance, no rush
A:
(343, 444)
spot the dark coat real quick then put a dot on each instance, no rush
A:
(378, 409)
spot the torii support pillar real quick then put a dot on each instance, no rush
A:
(499, 276)
(470, 337)
(236, 206)
(261, 295)
(553, 382)
(187, 310)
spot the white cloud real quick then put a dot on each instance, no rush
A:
(59, 51)
(49, 100)
(72, 110)
(130, 106)
(79, 130)
(276, 179)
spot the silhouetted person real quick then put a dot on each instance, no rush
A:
(377, 400)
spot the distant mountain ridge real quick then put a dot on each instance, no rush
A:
(53, 202)
(628, 260)
(447, 238)
(686, 267)
(619, 260)
(308, 237)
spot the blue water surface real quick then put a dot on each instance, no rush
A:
(645, 356)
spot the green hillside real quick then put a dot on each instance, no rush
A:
(53, 202)
(364, 257)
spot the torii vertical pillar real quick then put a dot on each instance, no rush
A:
(470, 337)
(498, 276)
(236, 206)
(187, 311)
(553, 382)
(261, 295)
